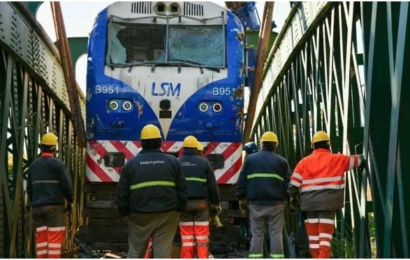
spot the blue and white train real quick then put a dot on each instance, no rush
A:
(177, 65)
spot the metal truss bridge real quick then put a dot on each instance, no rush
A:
(341, 67)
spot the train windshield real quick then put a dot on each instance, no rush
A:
(136, 44)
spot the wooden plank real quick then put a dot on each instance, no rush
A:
(101, 213)
(231, 213)
(106, 221)
(120, 229)
(105, 238)
(101, 204)
(99, 187)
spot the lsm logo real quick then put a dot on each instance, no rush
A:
(166, 89)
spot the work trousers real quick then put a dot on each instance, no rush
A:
(161, 227)
(319, 227)
(260, 215)
(49, 223)
(194, 228)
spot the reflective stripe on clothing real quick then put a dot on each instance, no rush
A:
(313, 237)
(201, 223)
(265, 175)
(53, 252)
(202, 237)
(323, 187)
(45, 181)
(152, 183)
(187, 237)
(324, 243)
(195, 179)
(325, 235)
(277, 255)
(318, 180)
(186, 223)
(352, 159)
(42, 252)
(314, 246)
(43, 244)
(294, 183)
(188, 243)
(51, 245)
(312, 220)
(326, 221)
(41, 228)
(56, 229)
(255, 255)
(297, 176)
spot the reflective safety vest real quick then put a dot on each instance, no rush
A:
(320, 177)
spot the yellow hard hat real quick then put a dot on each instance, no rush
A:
(269, 137)
(190, 142)
(320, 137)
(150, 132)
(199, 147)
(49, 139)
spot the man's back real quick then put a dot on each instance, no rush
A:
(49, 182)
(321, 179)
(264, 178)
(153, 180)
(200, 178)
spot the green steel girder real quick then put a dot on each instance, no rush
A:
(313, 81)
(32, 102)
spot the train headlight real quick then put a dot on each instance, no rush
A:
(160, 8)
(217, 107)
(203, 107)
(127, 106)
(113, 105)
(174, 8)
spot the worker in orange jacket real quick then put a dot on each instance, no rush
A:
(321, 180)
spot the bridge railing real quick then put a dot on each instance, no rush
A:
(33, 101)
(340, 67)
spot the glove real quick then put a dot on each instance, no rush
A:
(215, 210)
(243, 206)
(69, 207)
(293, 206)
(363, 163)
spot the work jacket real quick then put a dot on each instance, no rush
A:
(49, 182)
(151, 182)
(264, 178)
(199, 176)
(320, 177)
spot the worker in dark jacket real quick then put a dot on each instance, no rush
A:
(48, 184)
(151, 191)
(263, 181)
(321, 180)
(202, 190)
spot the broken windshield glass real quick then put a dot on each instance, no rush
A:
(136, 43)
(197, 44)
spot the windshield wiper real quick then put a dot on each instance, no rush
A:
(196, 64)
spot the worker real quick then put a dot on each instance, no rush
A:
(200, 150)
(263, 181)
(151, 191)
(48, 183)
(320, 176)
(203, 197)
(250, 148)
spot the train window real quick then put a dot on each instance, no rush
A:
(202, 45)
(135, 43)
